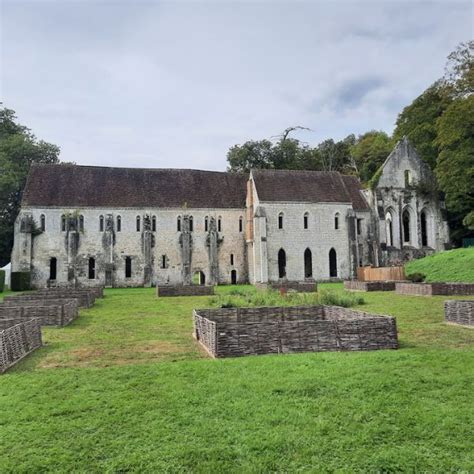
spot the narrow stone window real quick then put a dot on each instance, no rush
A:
(178, 224)
(128, 267)
(81, 223)
(241, 224)
(219, 224)
(153, 223)
(336, 221)
(408, 178)
(206, 223)
(424, 229)
(101, 224)
(164, 261)
(43, 222)
(359, 226)
(305, 220)
(406, 226)
(63, 223)
(119, 224)
(138, 223)
(281, 263)
(389, 229)
(91, 268)
(280, 220)
(231, 258)
(191, 223)
(53, 268)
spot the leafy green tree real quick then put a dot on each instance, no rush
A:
(252, 154)
(459, 71)
(455, 169)
(418, 121)
(369, 153)
(19, 148)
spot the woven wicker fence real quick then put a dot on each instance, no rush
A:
(50, 312)
(459, 312)
(184, 290)
(429, 289)
(355, 285)
(300, 286)
(85, 298)
(231, 332)
(380, 273)
(18, 338)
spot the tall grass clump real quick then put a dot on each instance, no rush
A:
(242, 299)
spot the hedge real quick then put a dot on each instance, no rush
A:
(20, 281)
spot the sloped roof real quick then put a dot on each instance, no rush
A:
(96, 186)
(308, 186)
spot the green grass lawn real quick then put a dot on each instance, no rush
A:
(126, 388)
(452, 265)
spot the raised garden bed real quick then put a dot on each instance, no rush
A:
(430, 289)
(355, 285)
(50, 312)
(459, 312)
(232, 332)
(85, 298)
(300, 286)
(18, 338)
(184, 290)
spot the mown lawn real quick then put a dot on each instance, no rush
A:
(125, 388)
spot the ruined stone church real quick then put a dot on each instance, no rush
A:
(121, 227)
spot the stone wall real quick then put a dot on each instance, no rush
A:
(355, 285)
(17, 340)
(459, 312)
(50, 312)
(184, 290)
(429, 289)
(231, 332)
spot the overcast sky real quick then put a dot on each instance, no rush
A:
(175, 84)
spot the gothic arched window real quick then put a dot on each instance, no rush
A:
(101, 223)
(280, 220)
(43, 222)
(306, 220)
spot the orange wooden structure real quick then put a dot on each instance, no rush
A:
(380, 273)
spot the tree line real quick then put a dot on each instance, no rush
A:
(439, 123)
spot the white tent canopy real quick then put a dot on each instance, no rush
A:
(8, 271)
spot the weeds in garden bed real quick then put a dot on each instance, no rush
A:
(240, 298)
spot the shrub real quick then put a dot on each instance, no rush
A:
(20, 281)
(346, 299)
(416, 277)
(2, 280)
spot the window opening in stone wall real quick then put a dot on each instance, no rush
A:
(233, 277)
(199, 278)
(101, 223)
(406, 226)
(53, 268)
(408, 178)
(424, 229)
(63, 223)
(359, 226)
(153, 224)
(164, 262)
(138, 223)
(43, 222)
(332, 263)
(219, 224)
(91, 268)
(308, 263)
(305, 220)
(206, 223)
(280, 220)
(178, 224)
(81, 223)
(119, 224)
(191, 224)
(389, 228)
(281, 263)
(128, 267)
(241, 224)
(231, 258)
(336, 221)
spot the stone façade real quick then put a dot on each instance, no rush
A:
(126, 227)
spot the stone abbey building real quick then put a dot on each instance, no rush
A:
(88, 225)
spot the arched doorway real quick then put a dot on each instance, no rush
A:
(332, 263)
(199, 278)
(406, 226)
(424, 229)
(233, 277)
(308, 264)
(281, 263)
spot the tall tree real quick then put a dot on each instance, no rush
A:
(19, 148)
(455, 169)
(459, 71)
